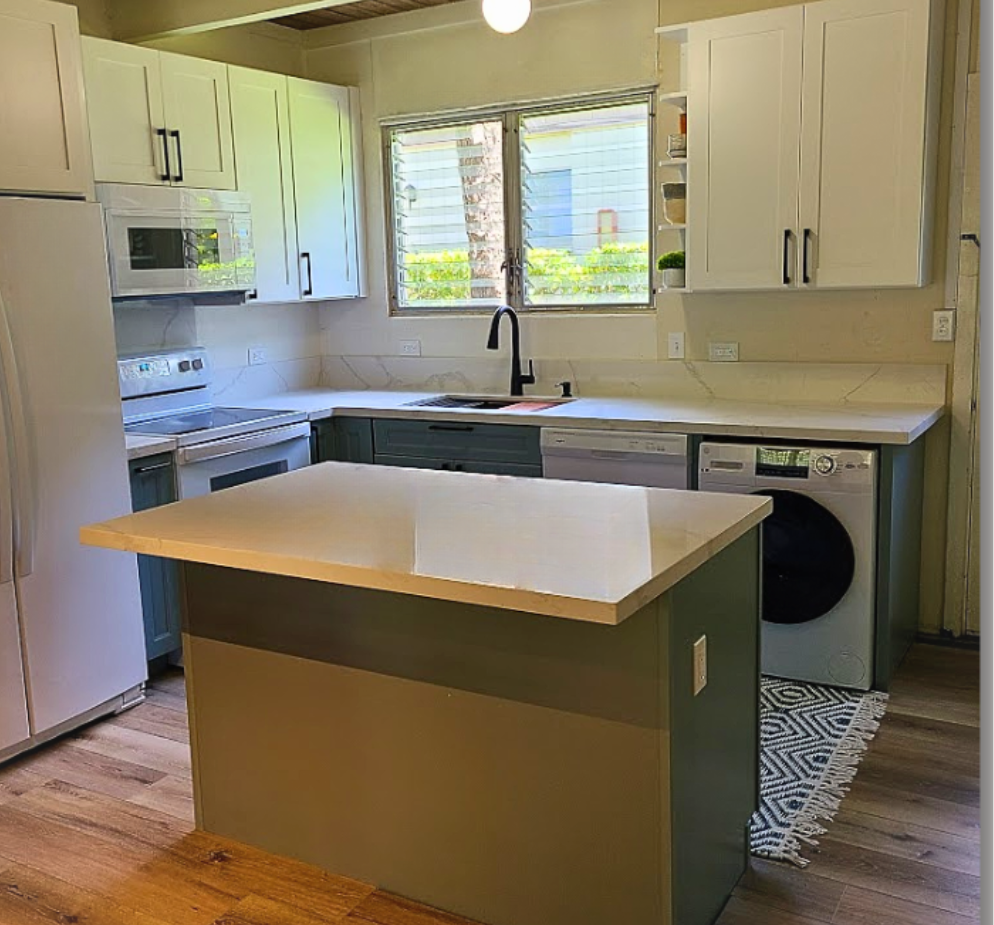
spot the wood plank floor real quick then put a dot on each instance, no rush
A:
(97, 829)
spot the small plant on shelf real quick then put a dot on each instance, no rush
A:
(673, 266)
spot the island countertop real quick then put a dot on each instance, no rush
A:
(575, 550)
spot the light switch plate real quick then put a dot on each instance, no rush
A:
(723, 352)
(676, 345)
(944, 325)
(700, 664)
(257, 356)
(410, 348)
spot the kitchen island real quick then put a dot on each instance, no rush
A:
(484, 693)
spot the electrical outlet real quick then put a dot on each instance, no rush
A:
(723, 353)
(257, 356)
(944, 325)
(700, 664)
(676, 347)
(410, 348)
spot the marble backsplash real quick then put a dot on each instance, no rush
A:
(780, 382)
(297, 358)
(289, 334)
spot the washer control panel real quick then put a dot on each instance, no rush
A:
(838, 467)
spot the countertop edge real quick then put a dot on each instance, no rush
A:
(501, 597)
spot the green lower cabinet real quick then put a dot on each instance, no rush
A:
(342, 440)
(153, 483)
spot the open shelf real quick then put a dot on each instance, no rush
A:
(675, 33)
(676, 98)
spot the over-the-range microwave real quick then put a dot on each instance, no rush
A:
(170, 241)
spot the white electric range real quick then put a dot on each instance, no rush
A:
(168, 394)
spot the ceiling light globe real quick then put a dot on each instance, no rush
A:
(506, 16)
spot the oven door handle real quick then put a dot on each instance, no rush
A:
(218, 448)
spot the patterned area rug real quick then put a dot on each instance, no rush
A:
(813, 738)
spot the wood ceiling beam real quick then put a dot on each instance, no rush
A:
(142, 20)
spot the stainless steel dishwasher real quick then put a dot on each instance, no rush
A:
(622, 457)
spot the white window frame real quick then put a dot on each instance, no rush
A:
(513, 222)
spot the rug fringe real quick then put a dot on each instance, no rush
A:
(826, 797)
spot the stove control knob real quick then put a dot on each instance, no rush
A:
(184, 366)
(824, 465)
(198, 364)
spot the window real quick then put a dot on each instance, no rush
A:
(540, 208)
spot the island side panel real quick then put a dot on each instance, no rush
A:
(714, 734)
(503, 766)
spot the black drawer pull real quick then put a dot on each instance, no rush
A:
(453, 428)
(141, 470)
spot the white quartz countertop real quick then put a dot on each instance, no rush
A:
(139, 446)
(574, 550)
(838, 423)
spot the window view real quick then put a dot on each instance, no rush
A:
(585, 206)
(448, 191)
(579, 217)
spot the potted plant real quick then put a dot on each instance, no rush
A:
(674, 270)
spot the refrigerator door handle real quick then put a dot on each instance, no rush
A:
(24, 507)
(6, 496)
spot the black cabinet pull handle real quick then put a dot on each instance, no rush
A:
(179, 156)
(141, 470)
(458, 467)
(305, 255)
(786, 256)
(163, 134)
(454, 428)
(252, 294)
(807, 241)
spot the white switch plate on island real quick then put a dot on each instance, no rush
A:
(700, 664)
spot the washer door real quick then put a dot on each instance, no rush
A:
(808, 559)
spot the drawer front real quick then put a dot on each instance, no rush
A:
(455, 465)
(449, 440)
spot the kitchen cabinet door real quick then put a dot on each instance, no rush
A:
(325, 179)
(743, 134)
(198, 116)
(127, 126)
(260, 122)
(865, 164)
(44, 146)
(153, 483)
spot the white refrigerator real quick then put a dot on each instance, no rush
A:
(71, 638)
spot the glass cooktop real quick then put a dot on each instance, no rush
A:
(199, 421)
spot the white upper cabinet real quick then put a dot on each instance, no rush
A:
(43, 137)
(324, 128)
(743, 125)
(811, 146)
(260, 119)
(195, 94)
(863, 146)
(127, 125)
(157, 117)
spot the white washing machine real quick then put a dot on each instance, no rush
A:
(819, 554)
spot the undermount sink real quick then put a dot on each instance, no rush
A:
(482, 402)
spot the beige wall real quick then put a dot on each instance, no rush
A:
(263, 45)
(446, 58)
(94, 17)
